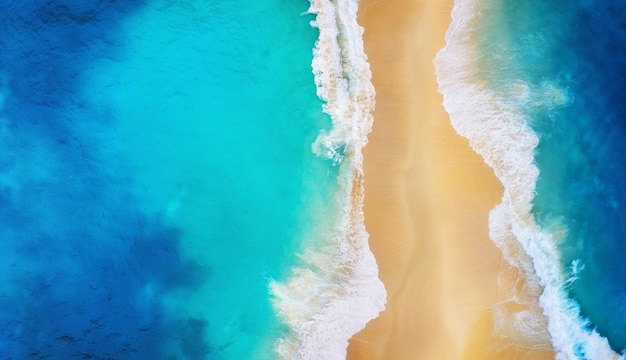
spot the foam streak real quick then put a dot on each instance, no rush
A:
(336, 290)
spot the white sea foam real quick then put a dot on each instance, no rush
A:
(336, 290)
(497, 130)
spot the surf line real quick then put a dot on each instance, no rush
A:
(498, 131)
(335, 290)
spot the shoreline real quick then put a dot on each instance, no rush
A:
(427, 198)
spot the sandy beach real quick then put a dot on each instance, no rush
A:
(427, 199)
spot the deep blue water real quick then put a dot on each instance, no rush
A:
(593, 185)
(155, 174)
(571, 55)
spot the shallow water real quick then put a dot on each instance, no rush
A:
(156, 174)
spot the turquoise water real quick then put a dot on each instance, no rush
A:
(551, 74)
(156, 174)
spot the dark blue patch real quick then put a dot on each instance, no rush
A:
(595, 188)
(82, 270)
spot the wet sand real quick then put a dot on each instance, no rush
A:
(427, 199)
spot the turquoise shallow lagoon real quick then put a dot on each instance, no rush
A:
(156, 176)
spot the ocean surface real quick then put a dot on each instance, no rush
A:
(538, 88)
(180, 179)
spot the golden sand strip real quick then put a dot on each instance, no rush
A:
(427, 198)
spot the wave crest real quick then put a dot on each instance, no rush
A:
(336, 290)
